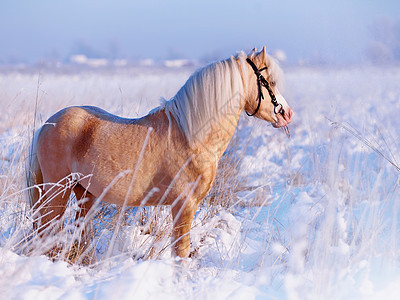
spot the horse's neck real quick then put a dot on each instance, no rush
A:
(218, 138)
(222, 130)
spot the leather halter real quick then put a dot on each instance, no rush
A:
(261, 81)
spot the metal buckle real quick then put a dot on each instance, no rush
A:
(280, 111)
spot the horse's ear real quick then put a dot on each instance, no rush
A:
(252, 52)
(264, 53)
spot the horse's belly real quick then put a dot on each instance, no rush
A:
(126, 188)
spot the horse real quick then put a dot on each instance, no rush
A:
(168, 157)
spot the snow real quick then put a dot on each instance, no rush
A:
(328, 226)
(24, 278)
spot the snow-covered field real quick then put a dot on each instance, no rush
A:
(310, 217)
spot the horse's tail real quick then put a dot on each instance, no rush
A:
(34, 179)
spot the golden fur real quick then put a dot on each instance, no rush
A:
(168, 157)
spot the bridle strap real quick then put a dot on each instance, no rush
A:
(261, 81)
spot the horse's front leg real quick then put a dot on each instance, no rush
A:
(182, 215)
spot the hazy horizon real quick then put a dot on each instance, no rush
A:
(334, 31)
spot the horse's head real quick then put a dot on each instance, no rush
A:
(263, 99)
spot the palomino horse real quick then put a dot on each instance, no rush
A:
(168, 157)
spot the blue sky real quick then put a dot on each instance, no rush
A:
(334, 30)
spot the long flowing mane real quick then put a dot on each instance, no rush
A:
(210, 93)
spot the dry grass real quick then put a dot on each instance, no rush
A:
(106, 231)
(141, 232)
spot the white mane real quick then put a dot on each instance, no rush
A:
(210, 93)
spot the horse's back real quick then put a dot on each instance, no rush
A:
(78, 123)
(69, 133)
(77, 114)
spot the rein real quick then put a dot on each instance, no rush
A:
(261, 81)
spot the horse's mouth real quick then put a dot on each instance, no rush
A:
(283, 120)
(280, 124)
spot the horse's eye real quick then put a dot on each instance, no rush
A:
(273, 83)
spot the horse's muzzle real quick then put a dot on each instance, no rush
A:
(285, 119)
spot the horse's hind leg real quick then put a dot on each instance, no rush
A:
(51, 207)
(85, 203)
